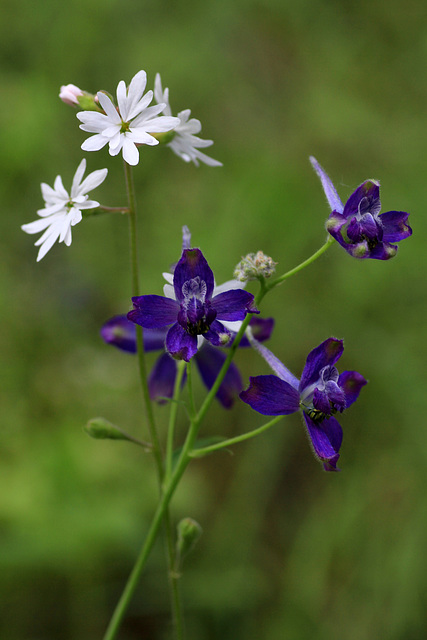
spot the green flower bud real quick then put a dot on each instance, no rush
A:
(189, 532)
(102, 429)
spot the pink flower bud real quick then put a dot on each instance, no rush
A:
(69, 94)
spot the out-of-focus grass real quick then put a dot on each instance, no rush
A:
(288, 551)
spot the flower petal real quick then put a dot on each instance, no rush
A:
(271, 396)
(365, 198)
(395, 226)
(153, 311)
(180, 344)
(351, 382)
(161, 381)
(191, 265)
(327, 353)
(234, 304)
(218, 335)
(329, 189)
(273, 362)
(261, 329)
(209, 362)
(325, 438)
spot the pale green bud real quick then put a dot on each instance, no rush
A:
(189, 532)
(254, 266)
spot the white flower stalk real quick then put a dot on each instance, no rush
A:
(129, 124)
(185, 143)
(63, 210)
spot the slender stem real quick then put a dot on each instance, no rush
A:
(190, 390)
(172, 418)
(300, 267)
(100, 210)
(176, 605)
(198, 453)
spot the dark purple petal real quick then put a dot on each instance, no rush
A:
(234, 304)
(162, 378)
(120, 332)
(327, 353)
(382, 251)
(351, 382)
(271, 396)
(180, 344)
(365, 198)
(325, 438)
(261, 328)
(336, 396)
(395, 226)
(192, 264)
(209, 362)
(218, 335)
(152, 312)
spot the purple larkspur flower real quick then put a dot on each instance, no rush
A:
(121, 332)
(320, 393)
(358, 225)
(195, 311)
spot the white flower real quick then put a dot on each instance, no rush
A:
(129, 124)
(63, 211)
(185, 144)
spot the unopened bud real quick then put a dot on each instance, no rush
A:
(255, 266)
(75, 97)
(102, 429)
(189, 532)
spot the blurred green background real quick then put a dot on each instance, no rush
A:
(288, 551)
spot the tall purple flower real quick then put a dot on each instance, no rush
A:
(121, 333)
(320, 393)
(195, 311)
(358, 226)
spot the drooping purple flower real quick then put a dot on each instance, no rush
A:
(121, 332)
(195, 311)
(358, 225)
(320, 393)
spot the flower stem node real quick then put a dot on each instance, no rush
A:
(255, 266)
(189, 532)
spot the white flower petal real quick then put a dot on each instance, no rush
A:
(47, 245)
(78, 176)
(109, 108)
(60, 190)
(49, 211)
(93, 180)
(130, 152)
(95, 143)
(162, 123)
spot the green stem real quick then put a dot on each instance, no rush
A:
(165, 517)
(198, 453)
(172, 419)
(273, 283)
(100, 210)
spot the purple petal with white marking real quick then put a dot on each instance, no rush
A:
(327, 353)
(365, 198)
(152, 311)
(218, 335)
(271, 396)
(192, 264)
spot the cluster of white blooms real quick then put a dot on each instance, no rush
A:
(253, 266)
(123, 127)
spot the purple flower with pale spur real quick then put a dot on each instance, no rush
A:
(121, 333)
(195, 311)
(358, 226)
(320, 393)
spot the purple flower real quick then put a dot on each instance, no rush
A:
(120, 332)
(358, 226)
(320, 393)
(195, 311)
